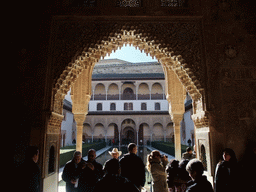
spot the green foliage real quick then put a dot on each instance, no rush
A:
(66, 153)
(168, 147)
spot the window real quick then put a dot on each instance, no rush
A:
(112, 107)
(99, 107)
(143, 106)
(157, 106)
(128, 106)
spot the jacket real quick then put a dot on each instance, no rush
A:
(159, 175)
(71, 171)
(200, 184)
(133, 168)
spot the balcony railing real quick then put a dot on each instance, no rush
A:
(128, 97)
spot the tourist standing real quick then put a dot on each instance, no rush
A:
(91, 173)
(29, 173)
(188, 154)
(226, 172)
(115, 153)
(199, 182)
(113, 181)
(71, 172)
(172, 174)
(156, 165)
(132, 167)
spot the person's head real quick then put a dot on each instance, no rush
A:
(113, 167)
(32, 153)
(174, 163)
(189, 150)
(229, 155)
(154, 155)
(115, 153)
(91, 155)
(132, 148)
(77, 157)
(183, 164)
(195, 168)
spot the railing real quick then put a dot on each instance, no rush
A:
(157, 96)
(143, 96)
(128, 97)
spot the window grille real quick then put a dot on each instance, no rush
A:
(174, 3)
(112, 107)
(128, 3)
(99, 107)
(157, 106)
(128, 106)
(143, 106)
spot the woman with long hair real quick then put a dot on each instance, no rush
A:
(226, 172)
(156, 165)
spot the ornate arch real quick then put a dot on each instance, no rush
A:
(169, 55)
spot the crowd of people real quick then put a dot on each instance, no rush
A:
(128, 173)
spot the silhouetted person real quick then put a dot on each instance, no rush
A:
(71, 172)
(113, 181)
(91, 173)
(188, 154)
(226, 172)
(172, 174)
(132, 167)
(199, 182)
(29, 172)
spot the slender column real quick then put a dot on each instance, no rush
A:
(79, 118)
(177, 118)
(137, 137)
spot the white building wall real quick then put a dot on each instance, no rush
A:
(136, 104)
(189, 127)
(67, 125)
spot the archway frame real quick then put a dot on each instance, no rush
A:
(179, 76)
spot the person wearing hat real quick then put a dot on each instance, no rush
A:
(115, 153)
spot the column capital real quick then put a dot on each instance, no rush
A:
(177, 118)
(79, 118)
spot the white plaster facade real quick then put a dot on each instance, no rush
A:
(68, 125)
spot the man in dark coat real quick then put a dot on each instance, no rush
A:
(29, 172)
(71, 172)
(91, 172)
(199, 182)
(112, 181)
(132, 167)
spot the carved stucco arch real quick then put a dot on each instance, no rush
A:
(90, 56)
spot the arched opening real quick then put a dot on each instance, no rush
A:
(51, 165)
(143, 92)
(158, 132)
(128, 94)
(113, 92)
(175, 71)
(157, 91)
(203, 157)
(100, 92)
(128, 136)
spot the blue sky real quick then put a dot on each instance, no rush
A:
(130, 54)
